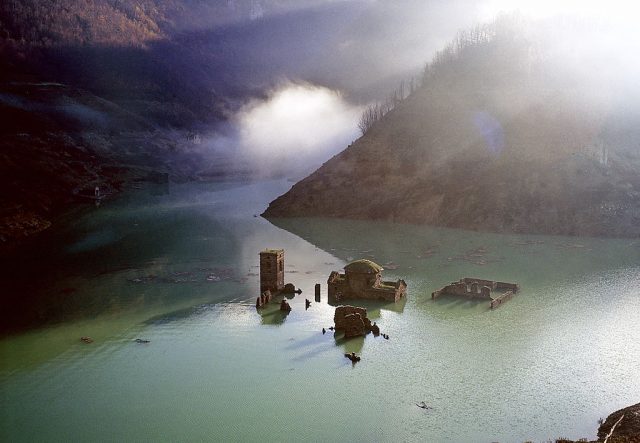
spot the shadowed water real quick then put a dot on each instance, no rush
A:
(180, 269)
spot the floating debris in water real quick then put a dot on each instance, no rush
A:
(570, 245)
(144, 279)
(86, 339)
(528, 242)
(353, 357)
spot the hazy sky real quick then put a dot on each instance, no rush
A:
(319, 62)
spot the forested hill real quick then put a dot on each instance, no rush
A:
(102, 92)
(120, 50)
(517, 127)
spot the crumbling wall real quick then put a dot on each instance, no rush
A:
(479, 288)
(467, 287)
(493, 285)
(336, 285)
(501, 299)
(507, 286)
(352, 320)
(358, 283)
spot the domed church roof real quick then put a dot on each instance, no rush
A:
(363, 266)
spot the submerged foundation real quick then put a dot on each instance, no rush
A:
(496, 292)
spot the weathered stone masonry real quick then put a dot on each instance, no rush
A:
(363, 280)
(480, 289)
(272, 270)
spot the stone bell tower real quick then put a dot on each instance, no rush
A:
(272, 270)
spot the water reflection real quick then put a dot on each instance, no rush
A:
(148, 248)
(484, 371)
(373, 307)
(350, 345)
(437, 256)
(271, 314)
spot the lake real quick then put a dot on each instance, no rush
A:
(178, 265)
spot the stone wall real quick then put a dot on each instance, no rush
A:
(472, 288)
(501, 299)
(352, 320)
(336, 286)
(490, 283)
(479, 288)
(507, 286)
(364, 286)
(272, 270)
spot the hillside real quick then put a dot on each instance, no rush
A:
(106, 92)
(515, 128)
(57, 143)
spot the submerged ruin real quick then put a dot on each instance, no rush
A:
(477, 288)
(363, 279)
(352, 320)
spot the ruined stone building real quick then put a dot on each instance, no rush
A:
(481, 289)
(272, 270)
(363, 279)
(352, 320)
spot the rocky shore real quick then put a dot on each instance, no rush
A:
(622, 426)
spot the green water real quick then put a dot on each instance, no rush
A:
(550, 362)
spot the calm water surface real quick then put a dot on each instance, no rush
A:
(178, 266)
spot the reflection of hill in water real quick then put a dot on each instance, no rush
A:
(136, 254)
(422, 254)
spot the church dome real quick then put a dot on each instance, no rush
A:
(363, 266)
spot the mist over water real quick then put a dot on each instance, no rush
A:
(299, 124)
(292, 130)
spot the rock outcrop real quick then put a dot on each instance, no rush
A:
(627, 428)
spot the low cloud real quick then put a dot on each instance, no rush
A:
(293, 130)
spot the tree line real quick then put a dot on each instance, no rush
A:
(477, 36)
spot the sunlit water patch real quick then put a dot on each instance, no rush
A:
(179, 269)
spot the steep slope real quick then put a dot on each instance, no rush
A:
(511, 131)
(57, 143)
(103, 92)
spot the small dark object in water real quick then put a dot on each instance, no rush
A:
(142, 340)
(324, 331)
(423, 405)
(86, 339)
(290, 288)
(307, 303)
(353, 357)
(375, 329)
(331, 328)
(386, 337)
(284, 306)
